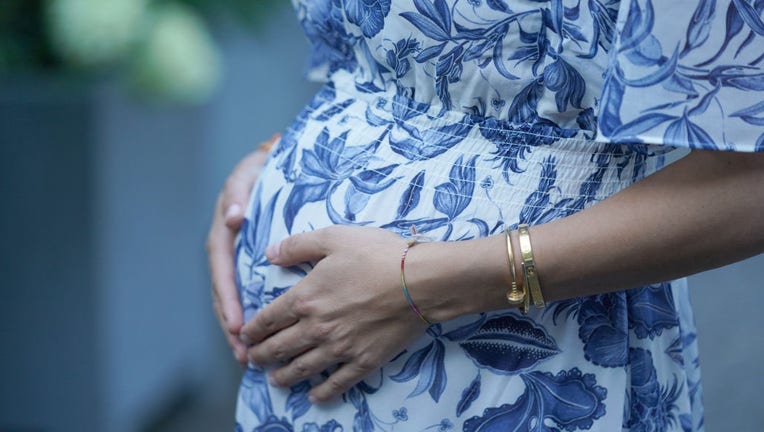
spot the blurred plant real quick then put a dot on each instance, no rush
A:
(163, 46)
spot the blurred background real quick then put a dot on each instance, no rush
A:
(119, 122)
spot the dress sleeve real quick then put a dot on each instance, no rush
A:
(687, 74)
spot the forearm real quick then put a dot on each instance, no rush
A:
(702, 212)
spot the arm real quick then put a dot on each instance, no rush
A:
(701, 212)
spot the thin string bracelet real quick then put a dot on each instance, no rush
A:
(415, 238)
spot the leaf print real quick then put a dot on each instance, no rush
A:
(651, 310)
(427, 364)
(362, 420)
(453, 197)
(700, 27)
(525, 104)
(603, 25)
(432, 28)
(734, 24)
(254, 392)
(637, 25)
(430, 53)
(508, 344)
(632, 129)
(647, 53)
(429, 143)
(374, 180)
(369, 15)
(469, 395)
(410, 198)
(566, 82)
(676, 351)
(334, 110)
(571, 400)
(256, 229)
(437, 12)
(653, 407)
(324, 169)
(705, 101)
(750, 15)
(355, 202)
(499, 5)
(682, 130)
(603, 329)
(303, 193)
(750, 111)
(297, 402)
(537, 201)
(664, 71)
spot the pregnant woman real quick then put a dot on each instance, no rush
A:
(471, 228)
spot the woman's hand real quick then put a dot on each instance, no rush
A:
(228, 216)
(348, 311)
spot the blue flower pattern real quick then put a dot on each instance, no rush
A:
(463, 116)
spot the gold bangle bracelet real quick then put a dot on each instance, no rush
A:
(530, 274)
(515, 296)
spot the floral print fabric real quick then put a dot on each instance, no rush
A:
(461, 116)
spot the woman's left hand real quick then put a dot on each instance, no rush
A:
(348, 311)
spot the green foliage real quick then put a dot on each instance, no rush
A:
(25, 39)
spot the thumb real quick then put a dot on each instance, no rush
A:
(239, 184)
(298, 248)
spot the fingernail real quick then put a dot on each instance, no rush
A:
(233, 211)
(272, 251)
(275, 136)
(245, 339)
(312, 399)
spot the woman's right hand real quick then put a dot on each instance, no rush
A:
(226, 221)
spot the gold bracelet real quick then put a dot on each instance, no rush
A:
(515, 297)
(530, 274)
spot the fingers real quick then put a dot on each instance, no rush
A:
(301, 368)
(239, 184)
(238, 349)
(341, 381)
(224, 293)
(284, 346)
(220, 252)
(299, 248)
(275, 317)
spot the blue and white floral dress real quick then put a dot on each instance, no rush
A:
(459, 116)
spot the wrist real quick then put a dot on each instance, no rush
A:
(451, 279)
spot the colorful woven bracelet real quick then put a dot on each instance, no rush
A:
(415, 238)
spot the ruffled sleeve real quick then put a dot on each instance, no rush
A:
(687, 74)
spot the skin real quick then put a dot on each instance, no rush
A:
(226, 221)
(701, 212)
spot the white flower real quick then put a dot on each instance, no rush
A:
(178, 59)
(95, 32)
